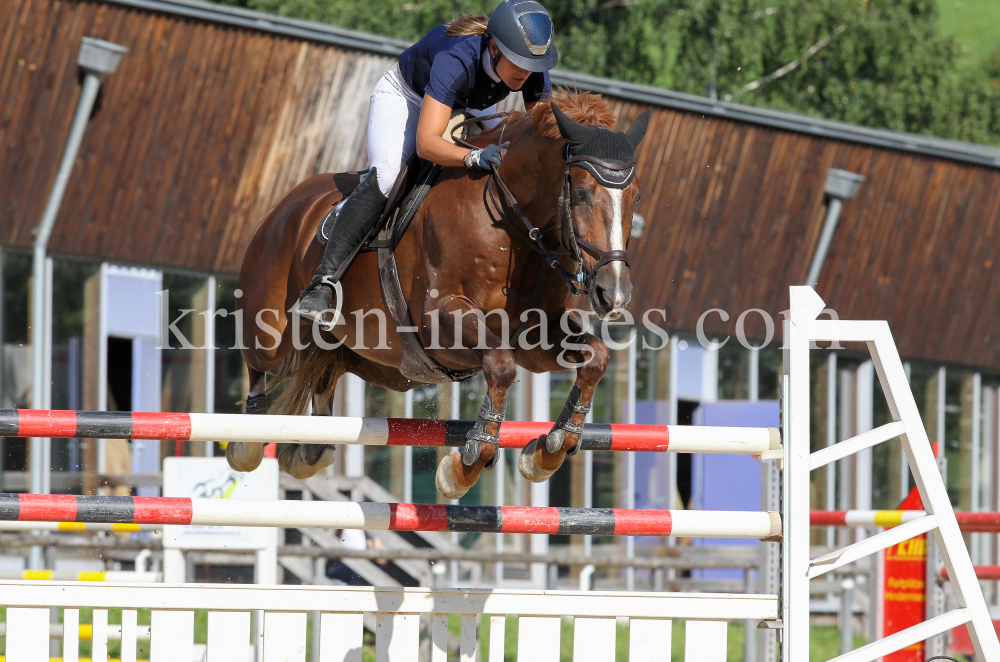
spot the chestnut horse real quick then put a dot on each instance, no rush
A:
(462, 254)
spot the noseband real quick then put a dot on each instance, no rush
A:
(569, 242)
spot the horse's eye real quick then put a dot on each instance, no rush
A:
(582, 196)
(638, 197)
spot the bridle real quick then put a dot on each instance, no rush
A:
(570, 243)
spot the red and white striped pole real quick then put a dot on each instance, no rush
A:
(389, 516)
(370, 431)
(968, 522)
(983, 572)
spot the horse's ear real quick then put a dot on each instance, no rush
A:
(637, 131)
(574, 133)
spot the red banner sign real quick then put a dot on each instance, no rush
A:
(905, 597)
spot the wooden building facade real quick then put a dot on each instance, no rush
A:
(215, 112)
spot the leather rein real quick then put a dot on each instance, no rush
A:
(569, 242)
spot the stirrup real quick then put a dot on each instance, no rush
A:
(477, 436)
(316, 316)
(256, 404)
(564, 424)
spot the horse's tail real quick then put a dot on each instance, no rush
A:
(302, 374)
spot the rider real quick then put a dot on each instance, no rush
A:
(469, 63)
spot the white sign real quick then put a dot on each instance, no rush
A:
(212, 478)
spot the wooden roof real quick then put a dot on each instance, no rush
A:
(210, 119)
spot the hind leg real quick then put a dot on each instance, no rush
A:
(306, 460)
(246, 456)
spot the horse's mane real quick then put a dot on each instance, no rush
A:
(581, 107)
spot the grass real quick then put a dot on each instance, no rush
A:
(974, 23)
(824, 640)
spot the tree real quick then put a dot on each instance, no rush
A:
(879, 63)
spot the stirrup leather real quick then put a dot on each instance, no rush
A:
(564, 424)
(478, 435)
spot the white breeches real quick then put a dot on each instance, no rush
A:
(393, 114)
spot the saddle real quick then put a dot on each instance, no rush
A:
(404, 198)
(407, 193)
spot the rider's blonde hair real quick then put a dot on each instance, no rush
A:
(467, 25)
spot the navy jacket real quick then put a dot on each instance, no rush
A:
(450, 70)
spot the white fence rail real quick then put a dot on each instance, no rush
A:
(398, 618)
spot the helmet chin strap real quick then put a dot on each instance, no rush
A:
(494, 57)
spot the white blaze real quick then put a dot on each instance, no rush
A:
(617, 239)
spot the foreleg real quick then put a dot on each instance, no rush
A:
(542, 456)
(459, 471)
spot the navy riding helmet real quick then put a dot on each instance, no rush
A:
(522, 31)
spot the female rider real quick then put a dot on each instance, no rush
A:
(469, 63)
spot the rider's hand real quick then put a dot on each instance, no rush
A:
(486, 158)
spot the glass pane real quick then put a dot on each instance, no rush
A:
(652, 368)
(987, 445)
(15, 360)
(734, 371)
(889, 482)
(819, 433)
(769, 372)
(924, 385)
(958, 436)
(985, 544)
(384, 464)
(14, 386)
(471, 394)
(231, 382)
(426, 404)
(183, 372)
(560, 384)
(846, 411)
(74, 303)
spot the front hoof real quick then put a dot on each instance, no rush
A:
(305, 460)
(447, 486)
(244, 456)
(528, 467)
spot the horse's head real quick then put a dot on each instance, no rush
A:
(603, 193)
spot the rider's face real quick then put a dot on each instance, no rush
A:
(513, 76)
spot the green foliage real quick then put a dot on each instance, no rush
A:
(973, 23)
(879, 63)
(404, 20)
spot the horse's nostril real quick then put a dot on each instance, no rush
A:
(603, 297)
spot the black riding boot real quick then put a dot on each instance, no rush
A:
(350, 227)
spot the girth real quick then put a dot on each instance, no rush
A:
(416, 364)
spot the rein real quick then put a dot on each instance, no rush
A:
(569, 242)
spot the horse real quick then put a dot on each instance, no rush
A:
(464, 259)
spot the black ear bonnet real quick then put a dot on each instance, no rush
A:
(612, 147)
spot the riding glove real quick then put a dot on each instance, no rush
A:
(485, 158)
